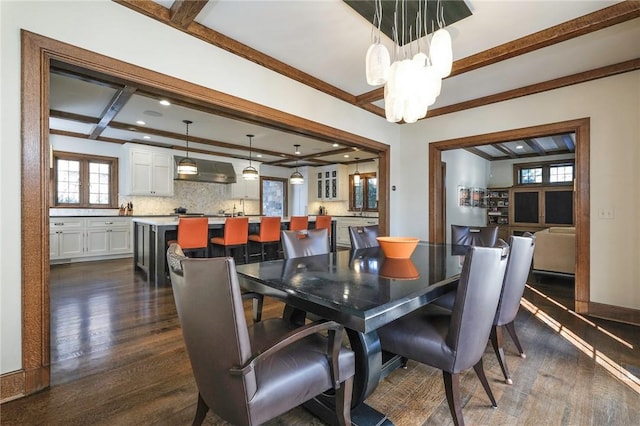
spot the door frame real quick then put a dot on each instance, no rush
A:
(37, 52)
(581, 127)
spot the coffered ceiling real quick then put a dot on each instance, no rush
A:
(503, 50)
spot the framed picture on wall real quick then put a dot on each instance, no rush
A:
(464, 196)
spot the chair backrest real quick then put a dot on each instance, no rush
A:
(515, 277)
(475, 305)
(236, 231)
(364, 236)
(203, 287)
(324, 222)
(298, 223)
(305, 243)
(270, 228)
(484, 236)
(193, 232)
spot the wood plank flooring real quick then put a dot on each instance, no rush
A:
(117, 358)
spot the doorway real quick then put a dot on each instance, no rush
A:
(581, 128)
(37, 53)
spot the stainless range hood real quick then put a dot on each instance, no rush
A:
(208, 171)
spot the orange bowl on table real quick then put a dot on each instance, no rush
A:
(397, 247)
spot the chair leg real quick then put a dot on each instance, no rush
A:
(201, 411)
(246, 253)
(257, 308)
(511, 328)
(498, 348)
(343, 402)
(479, 369)
(452, 390)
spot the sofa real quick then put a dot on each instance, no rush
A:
(555, 251)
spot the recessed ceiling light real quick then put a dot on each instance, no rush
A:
(152, 113)
(146, 137)
(335, 145)
(346, 156)
(140, 122)
(259, 155)
(165, 102)
(519, 147)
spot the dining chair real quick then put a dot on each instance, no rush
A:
(243, 373)
(515, 279)
(298, 223)
(364, 236)
(485, 236)
(454, 343)
(236, 235)
(193, 234)
(305, 243)
(269, 234)
(324, 222)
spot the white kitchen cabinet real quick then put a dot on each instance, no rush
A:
(147, 171)
(84, 239)
(331, 183)
(245, 189)
(107, 236)
(66, 238)
(343, 224)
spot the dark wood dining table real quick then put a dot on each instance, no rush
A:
(362, 290)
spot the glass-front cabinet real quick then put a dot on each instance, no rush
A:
(331, 182)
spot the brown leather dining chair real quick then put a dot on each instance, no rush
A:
(364, 236)
(269, 234)
(305, 243)
(485, 236)
(243, 373)
(515, 278)
(454, 343)
(236, 235)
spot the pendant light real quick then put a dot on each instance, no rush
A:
(296, 177)
(250, 172)
(187, 166)
(356, 174)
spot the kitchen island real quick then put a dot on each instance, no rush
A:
(150, 236)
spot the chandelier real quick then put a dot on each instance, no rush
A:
(187, 166)
(250, 172)
(413, 81)
(296, 177)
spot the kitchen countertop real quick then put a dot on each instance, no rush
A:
(172, 220)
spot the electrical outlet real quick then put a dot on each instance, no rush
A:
(606, 214)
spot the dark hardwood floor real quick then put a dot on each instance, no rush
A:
(117, 358)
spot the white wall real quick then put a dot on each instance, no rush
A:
(464, 169)
(109, 29)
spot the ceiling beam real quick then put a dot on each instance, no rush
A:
(603, 18)
(607, 71)
(535, 146)
(502, 148)
(479, 153)
(184, 12)
(118, 101)
(73, 117)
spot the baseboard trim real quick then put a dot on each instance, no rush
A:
(12, 386)
(614, 313)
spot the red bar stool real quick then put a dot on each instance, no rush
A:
(298, 223)
(324, 222)
(236, 234)
(193, 234)
(269, 233)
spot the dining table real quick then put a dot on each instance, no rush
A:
(363, 290)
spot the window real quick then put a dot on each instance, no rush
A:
(273, 196)
(84, 181)
(544, 173)
(363, 195)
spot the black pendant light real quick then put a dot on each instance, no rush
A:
(187, 166)
(250, 172)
